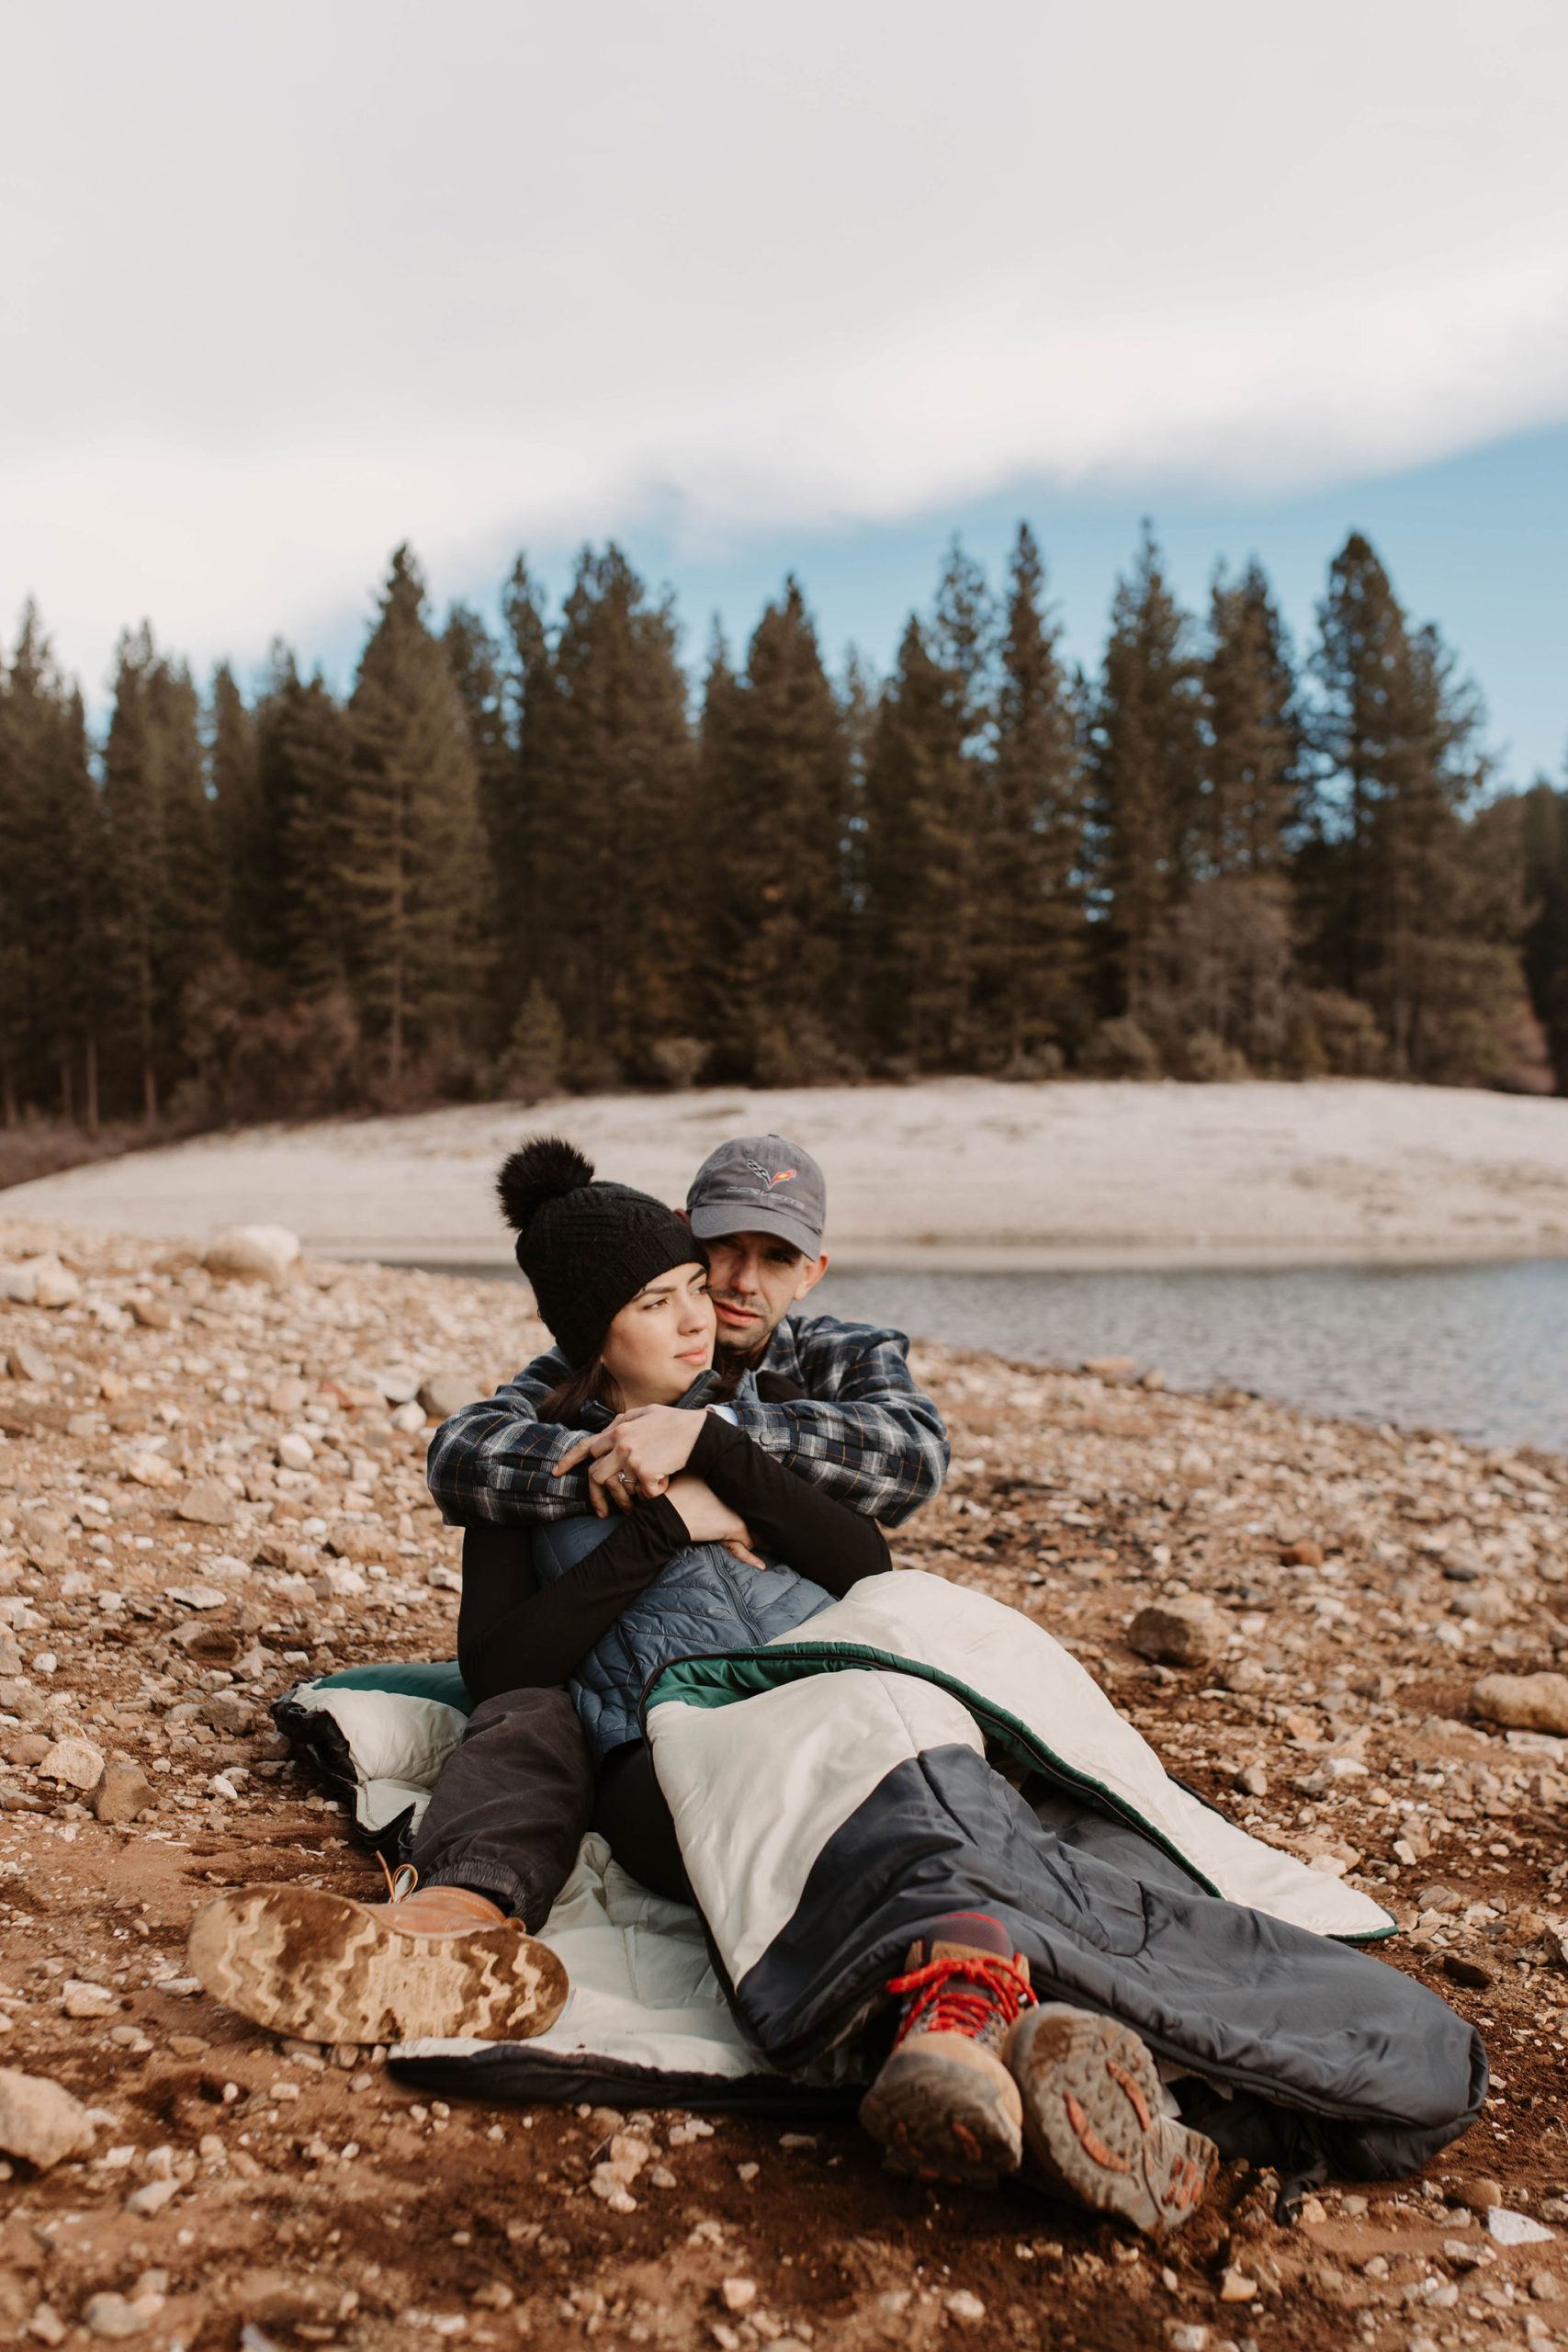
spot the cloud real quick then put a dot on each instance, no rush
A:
(286, 285)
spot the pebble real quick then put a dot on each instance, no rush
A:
(1523, 1701)
(967, 2310)
(113, 2315)
(1235, 2287)
(295, 1451)
(1465, 1969)
(40, 2120)
(1177, 1633)
(76, 1762)
(151, 2198)
(740, 2294)
(1516, 2229)
(47, 2326)
(442, 1394)
(259, 1251)
(80, 1999)
(207, 1503)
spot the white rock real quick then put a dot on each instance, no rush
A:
(409, 1418)
(399, 1383)
(80, 1999)
(112, 2315)
(150, 1469)
(77, 1762)
(196, 1596)
(1516, 2229)
(445, 1579)
(295, 1451)
(151, 2198)
(39, 2121)
(966, 2309)
(206, 1502)
(338, 1581)
(445, 1393)
(39, 1282)
(263, 1252)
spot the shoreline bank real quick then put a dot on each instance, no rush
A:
(950, 1175)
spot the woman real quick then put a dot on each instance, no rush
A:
(734, 1552)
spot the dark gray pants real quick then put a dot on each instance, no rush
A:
(513, 1805)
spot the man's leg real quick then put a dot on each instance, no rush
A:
(450, 1955)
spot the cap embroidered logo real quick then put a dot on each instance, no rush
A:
(768, 1182)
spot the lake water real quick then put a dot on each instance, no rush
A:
(1480, 1350)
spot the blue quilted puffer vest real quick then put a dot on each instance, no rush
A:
(702, 1599)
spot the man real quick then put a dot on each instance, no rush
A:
(449, 1954)
(836, 1404)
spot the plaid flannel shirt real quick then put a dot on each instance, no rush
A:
(864, 1431)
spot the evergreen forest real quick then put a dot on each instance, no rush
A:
(539, 854)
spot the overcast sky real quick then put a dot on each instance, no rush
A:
(282, 284)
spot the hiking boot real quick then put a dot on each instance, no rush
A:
(434, 1962)
(944, 2106)
(1093, 2121)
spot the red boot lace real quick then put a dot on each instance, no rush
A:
(961, 1993)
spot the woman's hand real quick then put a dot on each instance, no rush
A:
(637, 1454)
(708, 1521)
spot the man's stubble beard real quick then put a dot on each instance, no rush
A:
(732, 1363)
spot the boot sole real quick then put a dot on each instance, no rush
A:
(1092, 2122)
(941, 2120)
(302, 1961)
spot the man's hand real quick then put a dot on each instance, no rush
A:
(637, 1454)
(708, 1521)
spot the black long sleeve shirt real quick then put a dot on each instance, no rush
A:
(515, 1634)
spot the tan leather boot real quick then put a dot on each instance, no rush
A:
(1094, 2120)
(944, 2106)
(433, 1963)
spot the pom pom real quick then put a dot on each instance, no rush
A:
(542, 1170)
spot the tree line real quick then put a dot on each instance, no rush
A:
(530, 856)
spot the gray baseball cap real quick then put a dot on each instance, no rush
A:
(759, 1184)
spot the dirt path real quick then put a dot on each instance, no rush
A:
(961, 1173)
(232, 2181)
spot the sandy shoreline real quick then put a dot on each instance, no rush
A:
(962, 1175)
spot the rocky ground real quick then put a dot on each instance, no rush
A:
(212, 1484)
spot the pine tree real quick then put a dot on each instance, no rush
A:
(923, 826)
(304, 921)
(1031, 956)
(1407, 922)
(1252, 784)
(1230, 946)
(614, 890)
(412, 871)
(166, 906)
(1544, 862)
(1147, 767)
(775, 782)
(237, 813)
(51, 949)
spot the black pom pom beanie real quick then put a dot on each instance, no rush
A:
(586, 1247)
